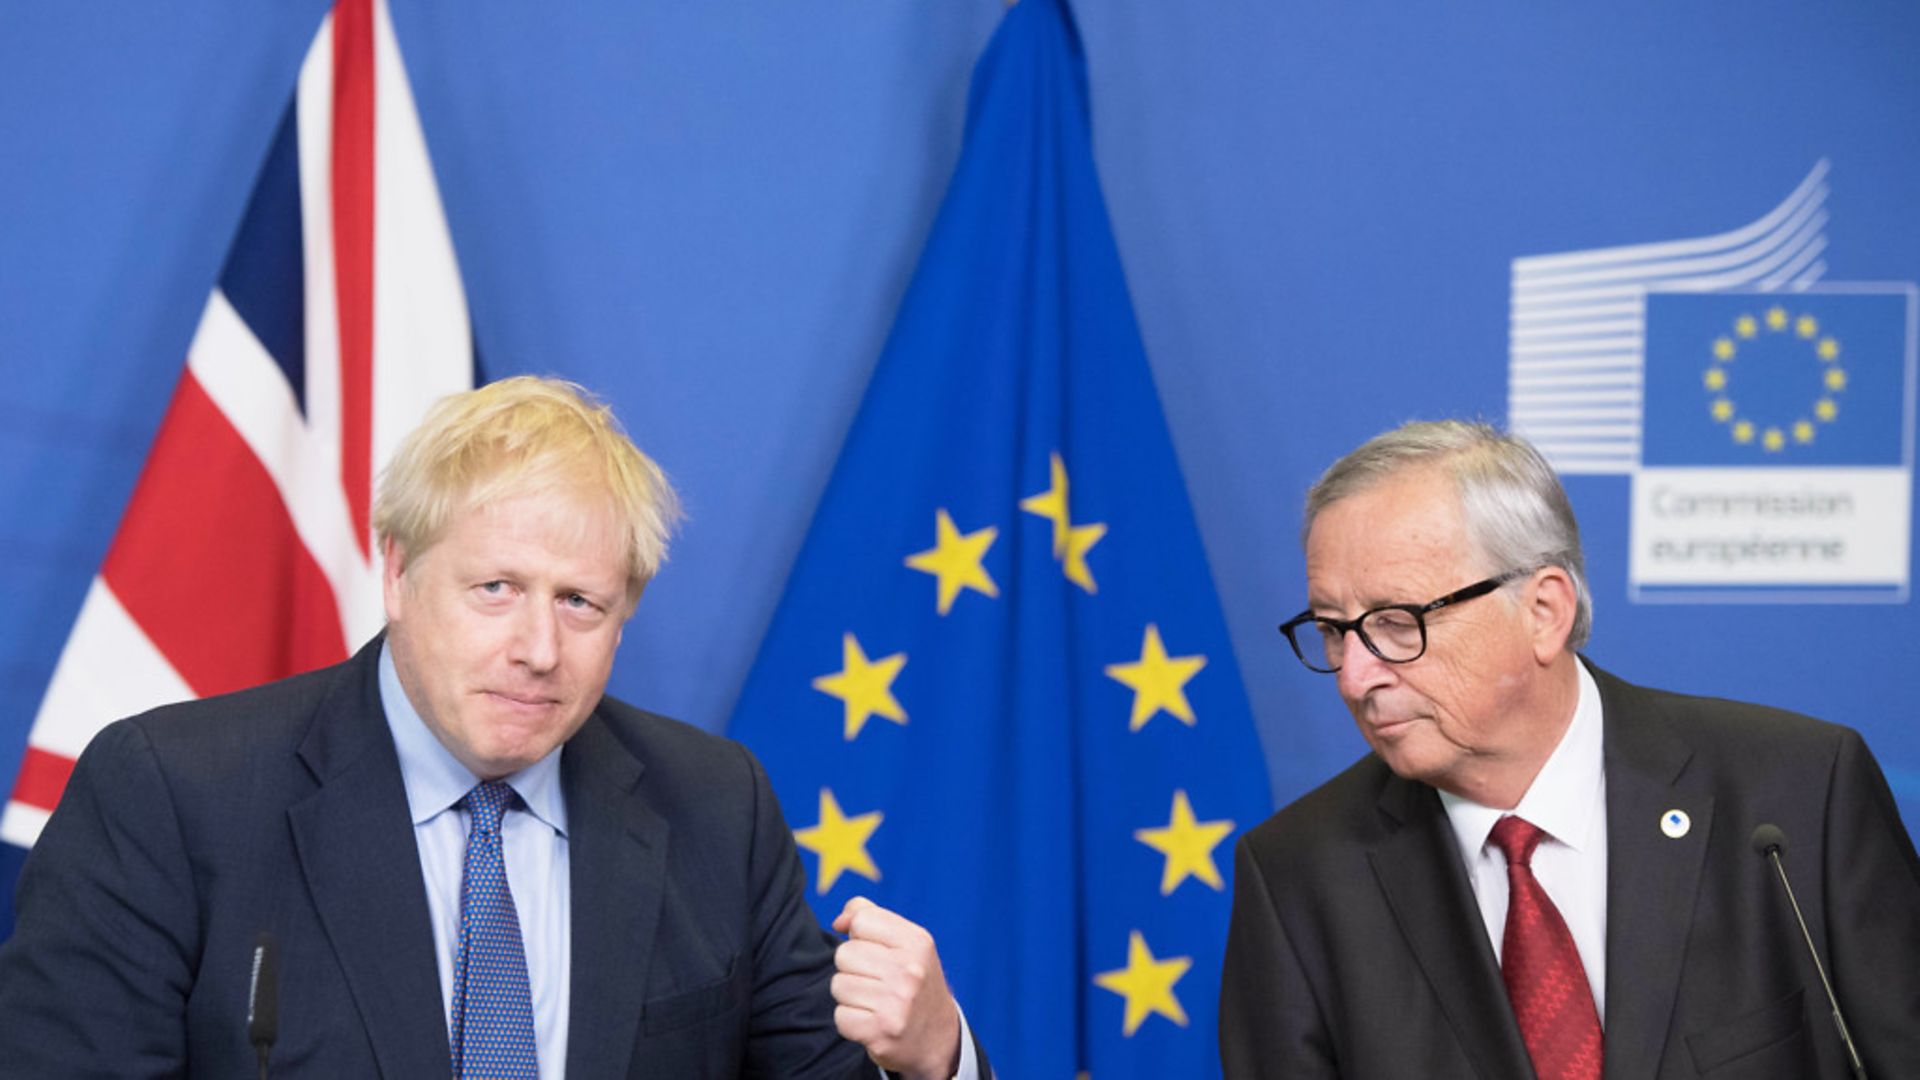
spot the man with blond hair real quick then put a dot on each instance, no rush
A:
(1541, 870)
(470, 861)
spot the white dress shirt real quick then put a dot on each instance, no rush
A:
(1567, 801)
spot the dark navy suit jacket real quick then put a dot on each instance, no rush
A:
(187, 831)
(1357, 949)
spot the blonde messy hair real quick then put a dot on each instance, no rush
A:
(516, 436)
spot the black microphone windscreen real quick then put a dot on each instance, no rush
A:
(1768, 839)
(263, 992)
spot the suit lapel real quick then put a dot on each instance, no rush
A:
(617, 857)
(355, 846)
(1652, 877)
(1418, 867)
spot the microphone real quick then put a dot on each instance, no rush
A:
(1770, 843)
(263, 998)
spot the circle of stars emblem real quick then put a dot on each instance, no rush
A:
(1823, 351)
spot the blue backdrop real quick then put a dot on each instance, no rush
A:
(709, 213)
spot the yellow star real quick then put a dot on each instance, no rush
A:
(1806, 326)
(1743, 431)
(1776, 318)
(1774, 440)
(1826, 409)
(1147, 984)
(1828, 349)
(1158, 681)
(1722, 410)
(955, 560)
(1080, 538)
(1723, 348)
(1070, 542)
(1803, 431)
(1836, 379)
(866, 686)
(1745, 326)
(1188, 846)
(1716, 378)
(840, 841)
(1052, 503)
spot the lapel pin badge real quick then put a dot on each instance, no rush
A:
(1675, 824)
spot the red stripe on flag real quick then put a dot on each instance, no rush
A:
(43, 776)
(353, 105)
(207, 562)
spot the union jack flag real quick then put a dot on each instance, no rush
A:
(246, 553)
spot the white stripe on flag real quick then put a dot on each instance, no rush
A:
(315, 123)
(108, 669)
(421, 342)
(21, 825)
(251, 390)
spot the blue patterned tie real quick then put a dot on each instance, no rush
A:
(492, 1025)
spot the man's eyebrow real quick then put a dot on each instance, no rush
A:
(1369, 602)
(607, 595)
(1327, 609)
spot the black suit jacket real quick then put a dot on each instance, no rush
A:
(188, 830)
(1357, 949)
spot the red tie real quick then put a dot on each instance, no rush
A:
(1545, 981)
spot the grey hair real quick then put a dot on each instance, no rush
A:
(1517, 514)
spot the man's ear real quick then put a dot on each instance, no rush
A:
(1551, 602)
(393, 565)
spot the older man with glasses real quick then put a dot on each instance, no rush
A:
(1542, 870)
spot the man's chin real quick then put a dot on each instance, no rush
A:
(516, 745)
(1406, 753)
(504, 762)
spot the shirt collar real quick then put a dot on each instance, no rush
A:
(1563, 799)
(435, 779)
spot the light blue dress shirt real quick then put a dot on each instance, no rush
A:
(533, 842)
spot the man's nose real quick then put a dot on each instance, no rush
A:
(1360, 670)
(536, 642)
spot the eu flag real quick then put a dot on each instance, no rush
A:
(1820, 377)
(998, 694)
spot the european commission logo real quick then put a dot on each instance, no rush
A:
(1811, 378)
(1765, 416)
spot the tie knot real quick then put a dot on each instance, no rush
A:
(1516, 838)
(487, 803)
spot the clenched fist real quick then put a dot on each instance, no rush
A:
(890, 994)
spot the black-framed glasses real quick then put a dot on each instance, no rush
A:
(1396, 633)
